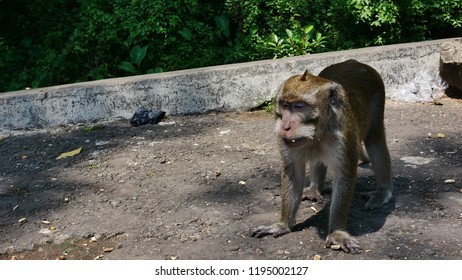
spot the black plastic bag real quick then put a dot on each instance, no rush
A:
(144, 116)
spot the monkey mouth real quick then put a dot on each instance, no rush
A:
(294, 142)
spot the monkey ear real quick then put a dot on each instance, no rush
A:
(304, 76)
(336, 97)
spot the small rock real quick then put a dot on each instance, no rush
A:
(45, 231)
(317, 257)
(234, 248)
(45, 222)
(108, 250)
(101, 143)
(242, 183)
(449, 181)
(438, 213)
(335, 247)
(22, 220)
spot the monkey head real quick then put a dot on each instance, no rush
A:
(307, 107)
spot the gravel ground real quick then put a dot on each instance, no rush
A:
(193, 187)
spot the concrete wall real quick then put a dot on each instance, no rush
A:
(410, 71)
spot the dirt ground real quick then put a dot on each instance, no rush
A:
(193, 187)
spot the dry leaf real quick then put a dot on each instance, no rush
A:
(70, 154)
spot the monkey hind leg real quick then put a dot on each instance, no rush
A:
(276, 230)
(317, 177)
(381, 165)
(364, 156)
(343, 239)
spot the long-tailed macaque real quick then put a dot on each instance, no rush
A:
(324, 120)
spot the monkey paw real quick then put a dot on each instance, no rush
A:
(275, 229)
(377, 199)
(344, 241)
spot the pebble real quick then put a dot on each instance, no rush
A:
(317, 257)
(22, 220)
(108, 250)
(449, 181)
(335, 247)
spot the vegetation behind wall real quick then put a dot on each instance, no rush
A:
(50, 42)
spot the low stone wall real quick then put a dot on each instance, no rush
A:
(410, 72)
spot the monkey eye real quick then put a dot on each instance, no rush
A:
(299, 104)
(285, 104)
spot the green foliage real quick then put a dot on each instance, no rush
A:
(64, 41)
(137, 54)
(304, 41)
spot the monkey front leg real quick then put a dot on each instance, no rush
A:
(341, 199)
(292, 183)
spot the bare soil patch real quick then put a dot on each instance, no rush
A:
(195, 186)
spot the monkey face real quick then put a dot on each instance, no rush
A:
(296, 122)
(297, 112)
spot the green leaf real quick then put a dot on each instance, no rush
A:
(274, 38)
(137, 54)
(318, 36)
(127, 66)
(223, 24)
(186, 33)
(153, 71)
(289, 33)
(308, 29)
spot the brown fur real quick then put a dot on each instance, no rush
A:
(323, 120)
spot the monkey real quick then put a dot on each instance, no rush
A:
(324, 121)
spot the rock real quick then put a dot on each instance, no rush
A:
(335, 247)
(451, 63)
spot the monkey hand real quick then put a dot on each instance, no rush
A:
(347, 243)
(276, 230)
(377, 199)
